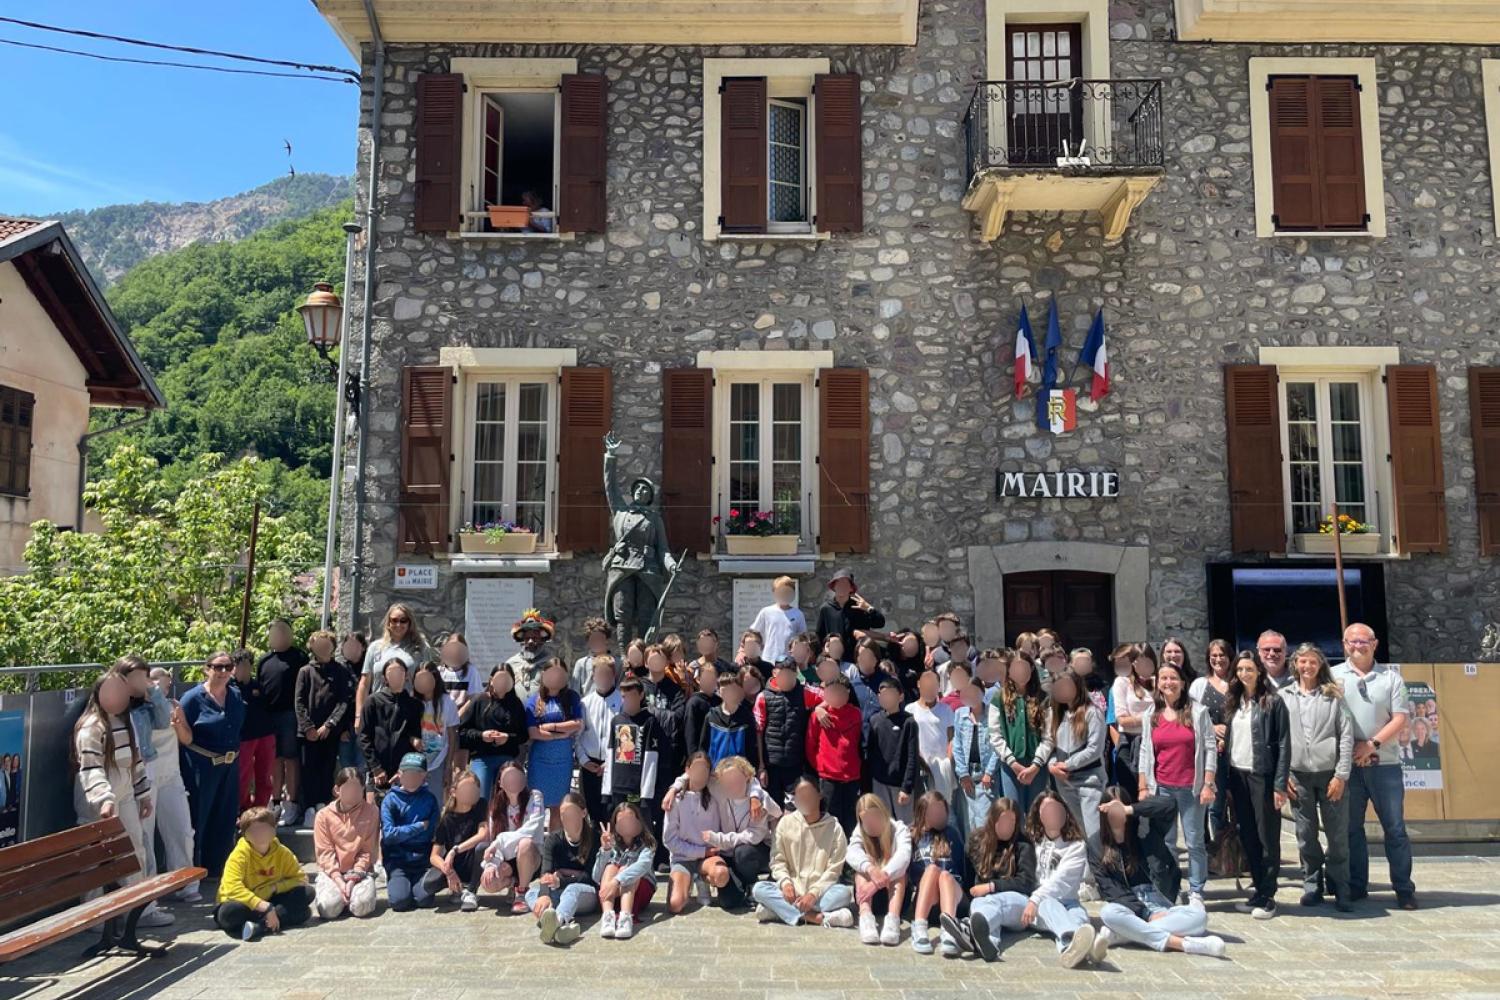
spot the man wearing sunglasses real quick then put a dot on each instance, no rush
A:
(1376, 696)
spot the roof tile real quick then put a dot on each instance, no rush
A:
(12, 227)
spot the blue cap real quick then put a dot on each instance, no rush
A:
(413, 762)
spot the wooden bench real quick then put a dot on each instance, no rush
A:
(39, 876)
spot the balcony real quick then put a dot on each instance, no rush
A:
(1063, 146)
(1461, 22)
(627, 22)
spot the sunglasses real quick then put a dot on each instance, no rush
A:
(221, 666)
(398, 621)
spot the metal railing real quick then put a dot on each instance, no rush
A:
(30, 678)
(1068, 125)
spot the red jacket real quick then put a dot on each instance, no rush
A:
(835, 753)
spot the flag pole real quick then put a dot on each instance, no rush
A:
(1338, 569)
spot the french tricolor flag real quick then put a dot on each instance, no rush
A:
(1095, 354)
(1025, 353)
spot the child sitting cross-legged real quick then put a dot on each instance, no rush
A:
(263, 888)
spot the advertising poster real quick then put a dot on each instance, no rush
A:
(12, 745)
(1421, 764)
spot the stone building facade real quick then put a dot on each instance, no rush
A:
(929, 309)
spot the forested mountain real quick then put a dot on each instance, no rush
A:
(115, 238)
(216, 324)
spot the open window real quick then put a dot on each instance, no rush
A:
(517, 162)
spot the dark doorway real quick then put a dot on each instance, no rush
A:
(1042, 110)
(1079, 605)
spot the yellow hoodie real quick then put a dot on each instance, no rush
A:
(252, 878)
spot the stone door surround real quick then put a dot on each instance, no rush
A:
(1128, 565)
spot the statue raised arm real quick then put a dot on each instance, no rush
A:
(612, 494)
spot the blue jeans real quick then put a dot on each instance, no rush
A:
(768, 894)
(215, 806)
(975, 807)
(1383, 786)
(569, 901)
(1022, 795)
(1190, 819)
(405, 889)
(486, 769)
(1002, 910)
(1153, 931)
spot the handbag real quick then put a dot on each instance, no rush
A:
(1226, 855)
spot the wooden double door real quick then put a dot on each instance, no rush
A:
(1079, 605)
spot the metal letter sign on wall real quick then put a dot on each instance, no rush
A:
(1065, 484)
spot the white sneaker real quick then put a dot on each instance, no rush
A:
(763, 914)
(920, 942)
(548, 923)
(190, 894)
(1079, 948)
(289, 814)
(250, 931)
(468, 902)
(607, 924)
(1210, 944)
(839, 918)
(624, 927)
(890, 930)
(869, 930)
(1265, 911)
(1195, 900)
(947, 946)
(1102, 941)
(380, 871)
(155, 917)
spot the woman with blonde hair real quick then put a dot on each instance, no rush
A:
(741, 839)
(879, 853)
(1322, 739)
(399, 630)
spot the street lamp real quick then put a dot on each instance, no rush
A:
(327, 327)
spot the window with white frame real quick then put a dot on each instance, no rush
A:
(517, 154)
(768, 448)
(1328, 426)
(509, 474)
(786, 174)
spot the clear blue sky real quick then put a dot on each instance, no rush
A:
(78, 133)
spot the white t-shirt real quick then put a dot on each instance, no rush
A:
(776, 626)
(1241, 734)
(435, 731)
(1128, 702)
(934, 727)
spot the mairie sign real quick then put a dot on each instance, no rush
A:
(1065, 484)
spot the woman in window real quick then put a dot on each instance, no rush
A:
(1211, 690)
(1021, 730)
(1077, 766)
(1179, 759)
(554, 717)
(1322, 741)
(1260, 757)
(1132, 696)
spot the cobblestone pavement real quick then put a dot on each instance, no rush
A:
(1446, 949)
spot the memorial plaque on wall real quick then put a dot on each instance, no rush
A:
(491, 606)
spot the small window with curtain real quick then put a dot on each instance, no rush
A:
(16, 411)
(787, 208)
(510, 472)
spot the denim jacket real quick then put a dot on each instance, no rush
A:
(964, 726)
(150, 715)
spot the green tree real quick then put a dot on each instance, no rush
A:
(165, 576)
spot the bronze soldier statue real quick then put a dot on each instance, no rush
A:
(638, 565)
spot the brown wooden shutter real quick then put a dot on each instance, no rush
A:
(687, 457)
(1252, 418)
(440, 142)
(1294, 158)
(843, 460)
(1484, 418)
(743, 150)
(839, 152)
(1416, 458)
(587, 406)
(585, 100)
(17, 409)
(1341, 153)
(426, 456)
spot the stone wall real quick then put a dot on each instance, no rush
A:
(930, 311)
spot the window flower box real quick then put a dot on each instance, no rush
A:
(761, 545)
(505, 540)
(1321, 543)
(509, 216)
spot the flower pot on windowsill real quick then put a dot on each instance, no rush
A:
(512, 543)
(509, 216)
(1317, 543)
(761, 545)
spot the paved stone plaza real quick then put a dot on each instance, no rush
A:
(1447, 949)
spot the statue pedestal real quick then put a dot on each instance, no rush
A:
(761, 545)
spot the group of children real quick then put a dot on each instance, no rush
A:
(840, 779)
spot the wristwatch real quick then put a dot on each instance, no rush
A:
(1375, 744)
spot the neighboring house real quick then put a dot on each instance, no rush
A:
(792, 243)
(61, 352)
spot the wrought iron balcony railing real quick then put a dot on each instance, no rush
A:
(1068, 125)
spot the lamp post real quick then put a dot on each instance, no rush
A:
(326, 322)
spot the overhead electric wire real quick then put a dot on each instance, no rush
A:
(82, 33)
(177, 65)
